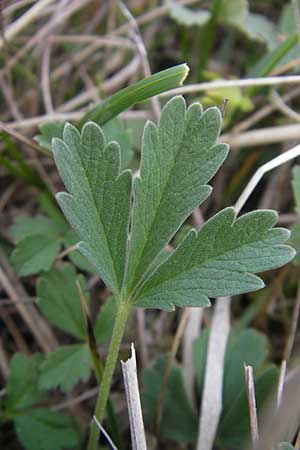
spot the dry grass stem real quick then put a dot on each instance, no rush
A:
(221, 84)
(270, 165)
(36, 323)
(252, 404)
(25, 20)
(138, 438)
(212, 395)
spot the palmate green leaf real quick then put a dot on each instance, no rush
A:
(42, 429)
(35, 254)
(22, 390)
(178, 158)
(219, 260)
(65, 366)
(59, 301)
(98, 202)
(178, 422)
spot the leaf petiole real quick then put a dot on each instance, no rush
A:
(118, 331)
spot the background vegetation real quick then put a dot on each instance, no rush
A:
(58, 60)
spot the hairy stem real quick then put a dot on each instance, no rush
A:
(119, 327)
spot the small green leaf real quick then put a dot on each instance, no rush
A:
(64, 367)
(178, 420)
(58, 300)
(29, 226)
(234, 12)
(98, 202)
(42, 429)
(247, 347)
(49, 131)
(178, 159)
(219, 260)
(105, 321)
(22, 388)
(186, 16)
(35, 254)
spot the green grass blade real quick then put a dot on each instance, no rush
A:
(138, 92)
(265, 66)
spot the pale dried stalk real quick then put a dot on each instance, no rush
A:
(138, 438)
(136, 35)
(281, 382)
(263, 112)
(8, 94)
(105, 434)
(10, 9)
(100, 41)
(218, 84)
(40, 35)
(38, 326)
(26, 19)
(262, 136)
(270, 165)
(45, 79)
(211, 407)
(252, 404)
(59, 116)
(280, 104)
(107, 86)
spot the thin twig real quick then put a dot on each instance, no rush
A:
(218, 84)
(40, 35)
(20, 137)
(252, 404)
(10, 100)
(136, 35)
(283, 107)
(105, 434)
(63, 117)
(262, 136)
(45, 79)
(26, 19)
(259, 115)
(38, 326)
(270, 165)
(87, 395)
(100, 41)
(281, 382)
